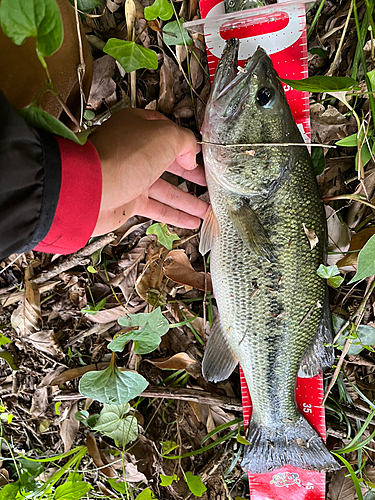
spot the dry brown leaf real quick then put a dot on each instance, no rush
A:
(168, 72)
(341, 487)
(108, 315)
(327, 124)
(103, 87)
(32, 291)
(339, 236)
(196, 71)
(7, 299)
(152, 273)
(69, 427)
(24, 319)
(184, 109)
(4, 477)
(94, 452)
(177, 267)
(39, 402)
(154, 25)
(311, 236)
(357, 243)
(45, 341)
(201, 103)
(180, 361)
(113, 5)
(62, 378)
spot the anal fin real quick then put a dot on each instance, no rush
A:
(219, 361)
(250, 229)
(320, 356)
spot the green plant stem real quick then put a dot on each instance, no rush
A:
(362, 54)
(315, 20)
(333, 65)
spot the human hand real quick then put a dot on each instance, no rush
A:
(135, 147)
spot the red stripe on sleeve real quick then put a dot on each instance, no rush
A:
(79, 201)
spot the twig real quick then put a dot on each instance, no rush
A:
(182, 394)
(77, 259)
(358, 317)
(265, 144)
(81, 70)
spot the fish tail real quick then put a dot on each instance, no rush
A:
(296, 444)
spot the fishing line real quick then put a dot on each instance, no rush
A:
(316, 145)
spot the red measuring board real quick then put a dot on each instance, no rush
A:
(280, 29)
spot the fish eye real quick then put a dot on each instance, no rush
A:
(231, 3)
(264, 96)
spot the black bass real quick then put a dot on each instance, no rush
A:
(272, 309)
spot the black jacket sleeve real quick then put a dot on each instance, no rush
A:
(30, 180)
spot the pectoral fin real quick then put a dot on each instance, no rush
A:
(219, 361)
(209, 232)
(250, 229)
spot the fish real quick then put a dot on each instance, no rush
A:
(238, 5)
(273, 314)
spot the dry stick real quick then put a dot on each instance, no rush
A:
(182, 394)
(349, 197)
(130, 19)
(81, 70)
(77, 259)
(333, 65)
(358, 317)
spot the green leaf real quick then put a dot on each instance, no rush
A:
(165, 238)
(168, 446)
(111, 386)
(130, 55)
(119, 486)
(327, 272)
(322, 83)
(92, 270)
(146, 495)
(115, 423)
(57, 406)
(366, 261)
(318, 160)
(167, 480)
(160, 8)
(7, 356)
(86, 5)
(40, 19)
(4, 340)
(321, 52)
(335, 281)
(36, 117)
(242, 440)
(9, 491)
(195, 484)
(175, 34)
(146, 339)
(371, 76)
(365, 336)
(72, 490)
(348, 142)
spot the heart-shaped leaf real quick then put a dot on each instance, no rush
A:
(160, 8)
(114, 422)
(130, 55)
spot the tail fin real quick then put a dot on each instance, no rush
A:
(296, 444)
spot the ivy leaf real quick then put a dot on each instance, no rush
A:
(114, 422)
(36, 117)
(167, 480)
(366, 261)
(4, 340)
(86, 5)
(331, 273)
(72, 490)
(348, 142)
(146, 495)
(130, 55)
(160, 8)
(175, 34)
(111, 386)
(165, 238)
(322, 83)
(9, 491)
(365, 336)
(195, 484)
(146, 339)
(40, 19)
(318, 160)
(168, 446)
